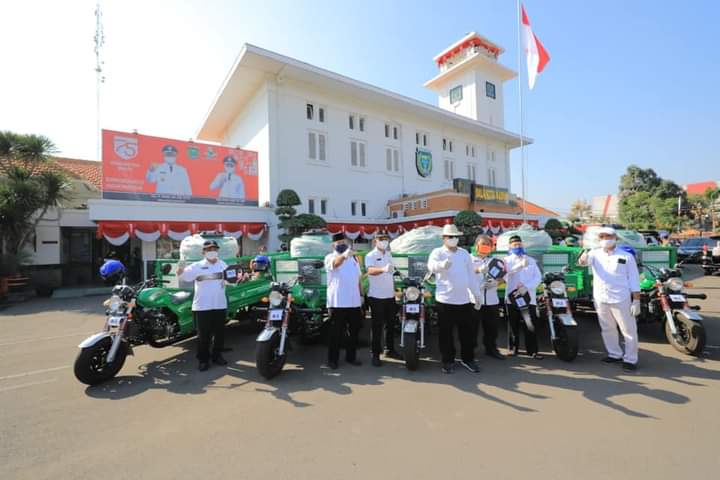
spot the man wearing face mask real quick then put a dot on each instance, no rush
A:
(381, 297)
(523, 277)
(168, 177)
(209, 305)
(454, 279)
(231, 184)
(343, 301)
(489, 313)
(616, 292)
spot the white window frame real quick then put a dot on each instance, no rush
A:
(360, 208)
(393, 157)
(322, 114)
(351, 121)
(320, 154)
(309, 108)
(448, 169)
(311, 205)
(492, 177)
(472, 171)
(358, 148)
(361, 123)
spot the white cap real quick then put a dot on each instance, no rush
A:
(450, 230)
(607, 231)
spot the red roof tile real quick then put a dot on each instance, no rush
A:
(88, 170)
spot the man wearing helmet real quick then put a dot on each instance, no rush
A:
(209, 303)
(616, 292)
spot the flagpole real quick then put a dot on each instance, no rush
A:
(522, 123)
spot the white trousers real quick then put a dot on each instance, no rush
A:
(612, 316)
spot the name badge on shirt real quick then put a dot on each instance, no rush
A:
(622, 261)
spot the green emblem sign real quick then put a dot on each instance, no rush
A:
(423, 162)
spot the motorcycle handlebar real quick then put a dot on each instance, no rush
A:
(700, 296)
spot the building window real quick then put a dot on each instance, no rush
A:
(471, 171)
(450, 145)
(444, 143)
(363, 209)
(456, 94)
(396, 132)
(309, 111)
(472, 151)
(417, 138)
(387, 130)
(491, 155)
(423, 204)
(424, 140)
(357, 154)
(358, 208)
(311, 205)
(490, 89)
(449, 170)
(361, 124)
(392, 159)
(491, 177)
(421, 139)
(351, 122)
(467, 150)
(323, 206)
(316, 146)
(353, 208)
(321, 115)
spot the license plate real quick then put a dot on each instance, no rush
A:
(114, 321)
(412, 308)
(520, 302)
(411, 327)
(276, 314)
(559, 302)
(677, 298)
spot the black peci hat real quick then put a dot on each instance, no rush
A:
(338, 236)
(515, 238)
(210, 244)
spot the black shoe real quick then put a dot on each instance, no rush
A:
(448, 368)
(376, 362)
(392, 354)
(356, 363)
(611, 360)
(203, 366)
(219, 360)
(495, 354)
(332, 365)
(471, 366)
(537, 356)
(629, 367)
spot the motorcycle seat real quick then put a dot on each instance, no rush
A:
(180, 297)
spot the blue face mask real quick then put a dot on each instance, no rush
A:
(340, 248)
(518, 250)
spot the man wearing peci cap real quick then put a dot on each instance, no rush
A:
(381, 297)
(209, 303)
(343, 302)
(454, 280)
(169, 177)
(229, 182)
(616, 292)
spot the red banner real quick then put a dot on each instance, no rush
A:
(141, 167)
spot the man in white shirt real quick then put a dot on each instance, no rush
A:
(231, 184)
(169, 177)
(454, 279)
(616, 292)
(523, 277)
(381, 297)
(209, 303)
(343, 302)
(489, 313)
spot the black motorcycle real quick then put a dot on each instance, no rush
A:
(412, 320)
(556, 306)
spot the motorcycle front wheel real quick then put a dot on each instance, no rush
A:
(566, 342)
(267, 359)
(690, 337)
(91, 367)
(411, 355)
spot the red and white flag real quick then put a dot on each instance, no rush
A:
(537, 56)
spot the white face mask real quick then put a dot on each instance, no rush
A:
(211, 255)
(382, 244)
(452, 242)
(170, 160)
(229, 168)
(607, 243)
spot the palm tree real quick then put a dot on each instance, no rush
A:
(26, 191)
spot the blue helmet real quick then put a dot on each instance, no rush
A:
(261, 263)
(112, 269)
(628, 249)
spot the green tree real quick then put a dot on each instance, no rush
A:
(648, 201)
(26, 192)
(579, 210)
(470, 223)
(286, 202)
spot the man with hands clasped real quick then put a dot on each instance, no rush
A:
(454, 279)
(381, 297)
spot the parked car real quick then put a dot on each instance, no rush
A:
(693, 246)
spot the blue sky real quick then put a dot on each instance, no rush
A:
(628, 81)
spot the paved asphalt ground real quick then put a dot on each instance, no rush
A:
(161, 418)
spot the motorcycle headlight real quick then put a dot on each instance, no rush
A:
(674, 284)
(557, 287)
(412, 293)
(275, 298)
(113, 303)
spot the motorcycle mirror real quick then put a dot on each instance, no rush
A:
(166, 268)
(318, 264)
(566, 269)
(397, 273)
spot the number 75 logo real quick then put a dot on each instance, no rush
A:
(125, 147)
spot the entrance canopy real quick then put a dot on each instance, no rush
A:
(119, 232)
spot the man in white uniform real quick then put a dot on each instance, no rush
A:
(343, 302)
(523, 277)
(209, 303)
(231, 184)
(489, 313)
(168, 177)
(616, 292)
(454, 279)
(381, 297)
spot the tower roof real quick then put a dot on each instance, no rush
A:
(472, 39)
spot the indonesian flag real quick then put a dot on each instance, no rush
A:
(537, 56)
